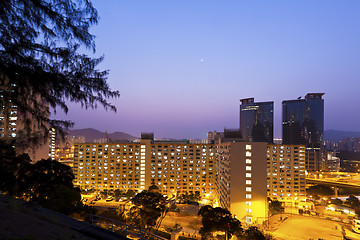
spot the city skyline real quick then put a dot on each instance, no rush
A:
(207, 90)
(181, 68)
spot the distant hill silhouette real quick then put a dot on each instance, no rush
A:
(336, 135)
(91, 134)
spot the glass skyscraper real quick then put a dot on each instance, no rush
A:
(256, 120)
(303, 121)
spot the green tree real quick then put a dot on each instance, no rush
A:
(104, 193)
(52, 186)
(349, 191)
(130, 193)
(320, 190)
(47, 182)
(62, 199)
(352, 201)
(192, 197)
(14, 171)
(40, 59)
(195, 196)
(252, 233)
(337, 201)
(147, 209)
(275, 206)
(184, 196)
(218, 219)
(153, 188)
(117, 193)
(112, 214)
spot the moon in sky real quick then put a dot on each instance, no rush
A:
(201, 60)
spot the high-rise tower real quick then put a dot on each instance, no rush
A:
(303, 124)
(15, 124)
(303, 120)
(256, 120)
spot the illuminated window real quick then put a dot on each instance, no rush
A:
(248, 175)
(248, 147)
(248, 210)
(248, 182)
(248, 161)
(248, 154)
(248, 196)
(248, 203)
(248, 189)
(248, 168)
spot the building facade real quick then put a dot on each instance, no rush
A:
(241, 179)
(256, 120)
(232, 174)
(14, 124)
(52, 143)
(175, 167)
(303, 124)
(214, 136)
(286, 172)
(303, 121)
(332, 162)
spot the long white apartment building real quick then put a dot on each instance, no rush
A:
(232, 174)
(175, 167)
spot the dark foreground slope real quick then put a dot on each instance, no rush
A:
(21, 220)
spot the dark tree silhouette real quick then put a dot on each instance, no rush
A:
(52, 186)
(320, 190)
(40, 64)
(147, 209)
(117, 193)
(252, 233)
(219, 219)
(275, 207)
(14, 171)
(337, 201)
(154, 188)
(48, 183)
(352, 201)
(192, 197)
(130, 193)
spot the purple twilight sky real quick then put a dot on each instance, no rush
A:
(182, 66)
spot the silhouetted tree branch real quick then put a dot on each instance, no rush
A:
(40, 64)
